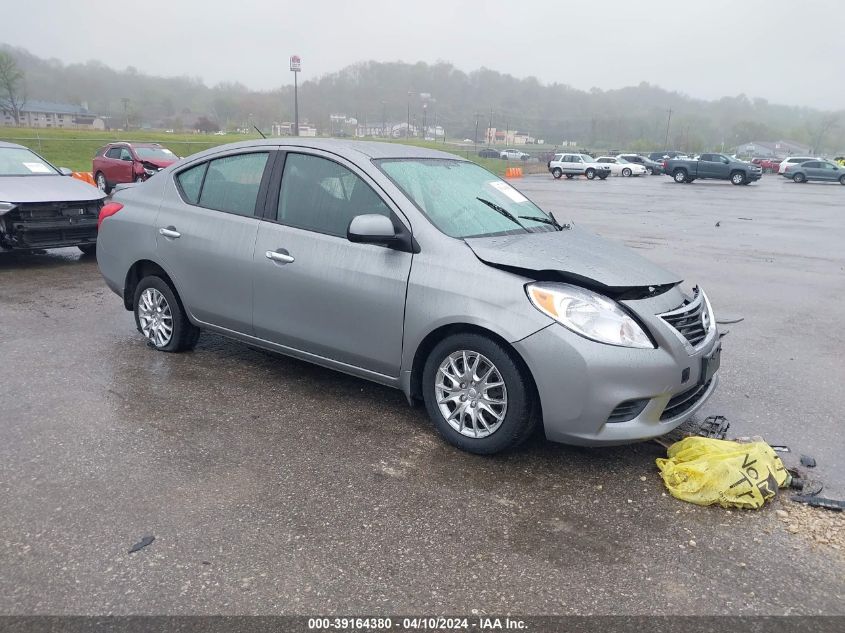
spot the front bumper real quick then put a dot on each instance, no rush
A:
(580, 383)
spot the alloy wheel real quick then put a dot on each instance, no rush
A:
(101, 182)
(471, 394)
(155, 317)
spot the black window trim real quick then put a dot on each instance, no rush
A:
(272, 156)
(400, 222)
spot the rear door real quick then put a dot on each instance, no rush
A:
(327, 296)
(112, 165)
(572, 164)
(206, 235)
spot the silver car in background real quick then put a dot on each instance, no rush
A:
(419, 270)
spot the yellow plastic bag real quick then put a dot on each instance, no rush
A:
(705, 471)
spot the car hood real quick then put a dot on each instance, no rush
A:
(576, 254)
(46, 189)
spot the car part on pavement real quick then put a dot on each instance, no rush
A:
(808, 461)
(144, 542)
(837, 505)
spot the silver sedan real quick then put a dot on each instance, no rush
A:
(418, 270)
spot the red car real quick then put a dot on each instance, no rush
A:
(117, 163)
(769, 165)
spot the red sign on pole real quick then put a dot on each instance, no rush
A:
(295, 63)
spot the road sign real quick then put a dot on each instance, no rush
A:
(295, 63)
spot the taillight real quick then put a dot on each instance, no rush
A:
(110, 209)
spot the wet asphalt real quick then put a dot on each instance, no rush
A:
(276, 487)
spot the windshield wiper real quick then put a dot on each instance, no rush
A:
(502, 211)
(544, 220)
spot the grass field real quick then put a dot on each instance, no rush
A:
(76, 148)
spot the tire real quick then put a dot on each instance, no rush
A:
(570, 176)
(603, 177)
(518, 419)
(680, 175)
(799, 178)
(88, 249)
(590, 173)
(649, 171)
(738, 178)
(183, 334)
(842, 180)
(626, 173)
(557, 173)
(689, 180)
(102, 183)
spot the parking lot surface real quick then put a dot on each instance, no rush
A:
(274, 486)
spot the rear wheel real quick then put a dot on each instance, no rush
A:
(799, 177)
(160, 317)
(478, 396)
(738, 178)
(570, 176)
(102, 184)
(649, 171)
(590, 173)
(557, 172)
(680, 175)
(626, 172)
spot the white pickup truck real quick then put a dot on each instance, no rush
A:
(571, 165)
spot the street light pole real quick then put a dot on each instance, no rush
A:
(295, 67)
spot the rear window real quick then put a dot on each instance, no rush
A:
(190, 182)
(232, 183)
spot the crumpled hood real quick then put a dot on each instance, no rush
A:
(578, 254)
(46, 189)
(161, 164)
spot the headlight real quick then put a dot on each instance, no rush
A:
(587, 313)
(5, 207)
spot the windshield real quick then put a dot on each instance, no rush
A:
(154, 153)
(463, 199)
(17, 161)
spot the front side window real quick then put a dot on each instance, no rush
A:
(232, 182)
(17, 161)
(125, 154)
(463, 199)
(323, 196)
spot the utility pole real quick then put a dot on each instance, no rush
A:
(490, 128)
(383, 119)
(476, 132)
(669, 120)
(408, 122)
(125, 101)
(295, 67)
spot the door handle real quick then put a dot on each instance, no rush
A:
(280, 257)
(170, 232)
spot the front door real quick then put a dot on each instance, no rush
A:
(317, 292)
(206, 235)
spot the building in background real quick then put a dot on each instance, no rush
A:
(47, 114)
(286, 128)
(772, 149)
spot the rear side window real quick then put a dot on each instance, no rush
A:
(811, 164)
(232, 182)
(190, 182)
(114, 152)
(323, 196)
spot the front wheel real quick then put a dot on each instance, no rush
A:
(590, 173)
(603, 177)
(842, 180)
(160, 317)
(626, 172)
(557, 172)
(477, 395)
(738, 178)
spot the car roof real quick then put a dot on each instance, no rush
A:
(350, 149)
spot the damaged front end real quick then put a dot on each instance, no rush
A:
(39, 225)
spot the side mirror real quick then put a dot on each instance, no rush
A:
(373, 228)
(64, 171)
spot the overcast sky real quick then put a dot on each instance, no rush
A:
(786, 51)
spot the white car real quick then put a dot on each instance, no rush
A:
(571, 165)
(793, 160)
(621, 167)
(513, 154)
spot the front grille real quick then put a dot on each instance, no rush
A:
(682, 402)
(627, 411)
(51, 224)
(690, 319)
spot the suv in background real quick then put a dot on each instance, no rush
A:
(792, 160)
(571, 165)
(118, 163)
